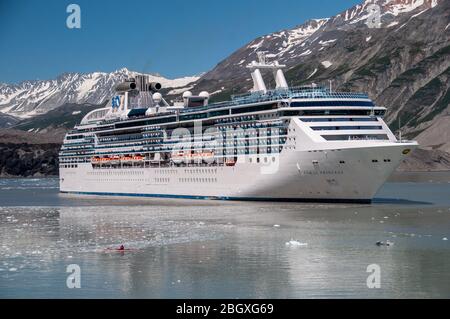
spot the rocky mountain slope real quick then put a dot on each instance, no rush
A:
(28, 154)
(60, 119)
(31, 98)
(28, 160)
(7, 120)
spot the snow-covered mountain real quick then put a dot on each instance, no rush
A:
(30, 98)
(296, 45)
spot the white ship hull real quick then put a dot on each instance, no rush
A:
(347, 175)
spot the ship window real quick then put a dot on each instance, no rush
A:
(340, 119)
(333, 128)
(331, 112)
(346, 137)
(250, 109)
(331, 103)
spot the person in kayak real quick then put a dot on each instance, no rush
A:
(121, 248)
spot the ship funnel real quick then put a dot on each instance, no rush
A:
(263, 64)
(154, 86)
(125, 87)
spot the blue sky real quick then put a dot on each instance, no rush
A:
(171, 37)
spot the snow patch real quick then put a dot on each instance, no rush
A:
(307, 52)
(257, 45)
(401, 26)
(180, 90)
(398, 8)
(310, 76)
(87, 86)
(298, 36)
(327, 64)
(327, 42)
(418, 14)
(216, 92)
(392, 24)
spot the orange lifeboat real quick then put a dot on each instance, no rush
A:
(104, 160)
(230, 162)
(115, 159)
(126, 158)
(138, 158)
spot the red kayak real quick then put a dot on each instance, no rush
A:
(120, 249)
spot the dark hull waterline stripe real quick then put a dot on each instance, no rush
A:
(227, 198)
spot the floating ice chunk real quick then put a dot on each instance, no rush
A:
(294, 243)
(445, 238)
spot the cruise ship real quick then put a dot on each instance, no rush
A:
(284, 143)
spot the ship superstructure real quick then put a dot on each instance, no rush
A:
(304, 144)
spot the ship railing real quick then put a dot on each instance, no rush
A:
(297, 92)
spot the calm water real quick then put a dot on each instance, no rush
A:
(190, 249)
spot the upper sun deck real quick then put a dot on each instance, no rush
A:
(295, 93)
(301, 92)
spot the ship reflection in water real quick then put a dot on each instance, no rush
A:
(189, 249)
